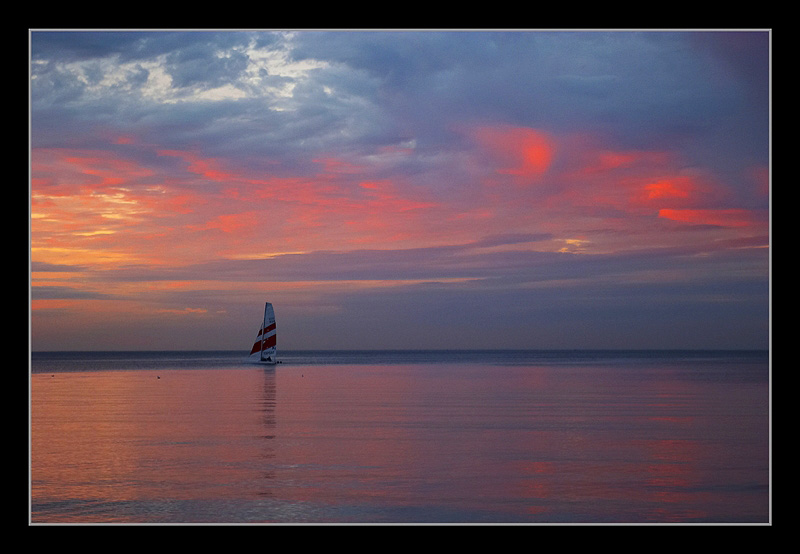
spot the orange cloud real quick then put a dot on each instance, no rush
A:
(183, 311)
(102, 208)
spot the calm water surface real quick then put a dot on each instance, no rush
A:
(400, 438)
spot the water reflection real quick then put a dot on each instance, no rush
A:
(399, 443)
(141, 445)
(268, 425)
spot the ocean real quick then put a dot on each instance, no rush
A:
(395, 437)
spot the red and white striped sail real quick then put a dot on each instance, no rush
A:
(265, 349)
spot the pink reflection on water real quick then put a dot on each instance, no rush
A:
(419, 443)
(123, 436)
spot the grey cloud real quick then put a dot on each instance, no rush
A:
(200, 65)
(644, 90)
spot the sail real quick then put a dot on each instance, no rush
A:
(265, 347)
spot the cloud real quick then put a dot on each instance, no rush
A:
(518, 151)
(177, 171)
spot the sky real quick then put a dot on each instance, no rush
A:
(410, 189)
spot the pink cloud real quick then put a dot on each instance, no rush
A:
(717, 217)
(582, 185)
(521, 152)
(108, 205)
(233, 223)
(206, 167)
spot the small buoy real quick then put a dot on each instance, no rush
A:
(158, 377)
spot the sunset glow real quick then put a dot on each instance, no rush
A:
(380, 188)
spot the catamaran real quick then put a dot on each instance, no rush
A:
(264, 350)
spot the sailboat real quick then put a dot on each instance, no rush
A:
(264, 349)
